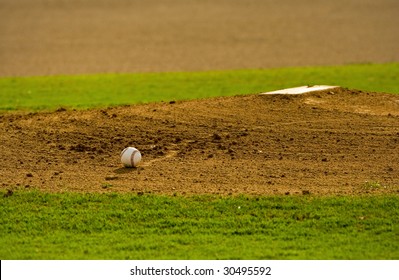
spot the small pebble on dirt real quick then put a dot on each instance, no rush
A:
(111, 177)
(216, 136)
(8, 193)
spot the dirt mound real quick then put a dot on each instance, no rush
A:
(334, 142)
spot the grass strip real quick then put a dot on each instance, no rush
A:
(38, 225)
(102, 90)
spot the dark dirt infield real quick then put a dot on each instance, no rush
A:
(333, 142)
(41, 37)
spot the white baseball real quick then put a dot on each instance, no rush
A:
(130, 157)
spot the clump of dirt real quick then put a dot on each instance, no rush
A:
(324, 143)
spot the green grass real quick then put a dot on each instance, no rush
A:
(37, 225)
(102, 90)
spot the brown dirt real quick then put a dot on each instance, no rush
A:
(333, 142)
(42, 37)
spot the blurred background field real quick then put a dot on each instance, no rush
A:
(51, 37)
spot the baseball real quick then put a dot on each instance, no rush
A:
(130, 157)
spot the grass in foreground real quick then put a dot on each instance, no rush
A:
(102, 90)
(37, 225)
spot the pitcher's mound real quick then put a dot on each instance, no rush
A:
(337, 141)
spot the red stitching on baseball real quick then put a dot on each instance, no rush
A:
(124, 150)
(132, 157)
